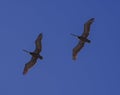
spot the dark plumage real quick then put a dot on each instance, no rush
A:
(35, 54)
(82, 38)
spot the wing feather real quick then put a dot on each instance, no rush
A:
(38, 44)
(76, 49)
(87, 27)
(30, 64)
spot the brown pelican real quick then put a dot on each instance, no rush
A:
(35, 54)
(82, 38)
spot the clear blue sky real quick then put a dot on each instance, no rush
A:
(97, 70)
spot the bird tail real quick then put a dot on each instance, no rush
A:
(25, 51)
(40, 57)
(74, 35)
(89, 41)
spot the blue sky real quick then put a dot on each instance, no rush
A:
(95, 72)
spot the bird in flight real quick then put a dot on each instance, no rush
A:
(82, 39)
(35, 54)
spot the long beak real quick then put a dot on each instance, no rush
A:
(25, 51)
(74, 35)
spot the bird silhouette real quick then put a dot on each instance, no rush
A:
(82, 39)
(35, 54)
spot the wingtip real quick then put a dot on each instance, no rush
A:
(25, 72)
(92, 19)
(41, 33)
(74, 58)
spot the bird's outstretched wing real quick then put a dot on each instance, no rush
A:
(87, 27)
(38, 44)
(30, 64)
(76, 49)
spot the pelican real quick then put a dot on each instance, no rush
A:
(35, 54)
(82, 39)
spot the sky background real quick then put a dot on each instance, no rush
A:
(95, 72)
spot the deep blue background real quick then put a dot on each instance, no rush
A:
(95, 72)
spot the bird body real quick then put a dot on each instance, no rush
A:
(82, 39)
(35, 54)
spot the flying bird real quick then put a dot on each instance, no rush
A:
(35, 54)
(82, 39)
